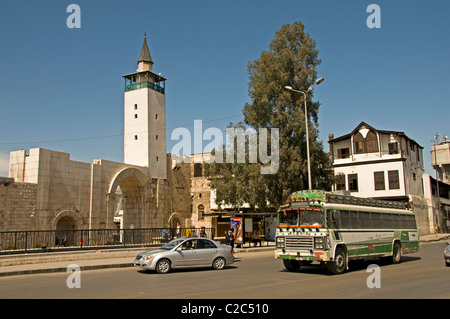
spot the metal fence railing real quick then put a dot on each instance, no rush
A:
(52, 240)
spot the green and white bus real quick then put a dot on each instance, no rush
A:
(331, 229)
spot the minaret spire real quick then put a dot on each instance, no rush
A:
(145, 62)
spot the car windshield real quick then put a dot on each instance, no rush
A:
(170, 245)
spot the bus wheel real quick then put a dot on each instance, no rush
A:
(291, 265)
(340, 262)
(396, 253)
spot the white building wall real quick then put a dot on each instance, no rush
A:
(366, 179)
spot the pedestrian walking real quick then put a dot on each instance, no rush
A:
(229, 239)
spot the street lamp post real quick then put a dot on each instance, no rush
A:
(318, 81)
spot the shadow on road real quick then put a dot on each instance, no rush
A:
(186, 270)
(354, 265)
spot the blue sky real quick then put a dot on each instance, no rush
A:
(62, 89)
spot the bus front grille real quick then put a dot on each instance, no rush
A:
(301, 242)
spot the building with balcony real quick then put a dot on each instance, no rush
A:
(375, 163)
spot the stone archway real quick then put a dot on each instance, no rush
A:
(176, 218)
(66, 223)
(132, 183)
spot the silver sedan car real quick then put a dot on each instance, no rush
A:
(184, 253)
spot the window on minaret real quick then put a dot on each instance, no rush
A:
(135, 106)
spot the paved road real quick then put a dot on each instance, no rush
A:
(254, 275)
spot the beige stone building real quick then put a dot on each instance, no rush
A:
(46, 190)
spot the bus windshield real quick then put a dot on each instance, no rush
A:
(288, 218)
(307, 216)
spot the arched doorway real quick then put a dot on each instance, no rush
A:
(65, 231)
(66, 223)
(131, 183)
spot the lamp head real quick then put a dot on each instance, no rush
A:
(319, 80)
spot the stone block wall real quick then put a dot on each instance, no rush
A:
(17, 206)
(49, 187)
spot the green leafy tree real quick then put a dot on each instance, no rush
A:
(292, 60)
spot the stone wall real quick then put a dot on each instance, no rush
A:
(179, 177)
(85, 193)
(17, 206)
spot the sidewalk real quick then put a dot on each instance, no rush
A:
(100, 259)
(434, 238)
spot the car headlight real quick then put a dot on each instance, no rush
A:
(145, 258)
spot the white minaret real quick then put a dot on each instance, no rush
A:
(145, 117)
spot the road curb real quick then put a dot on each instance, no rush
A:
(61, 269)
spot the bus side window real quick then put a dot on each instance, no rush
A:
(333, 219)
(345, 219)
(376, 220)
(412, 222)
(354, 219)
(399, 221)
(404, 221)
(364, 220)
(387, 221)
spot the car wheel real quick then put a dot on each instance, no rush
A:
(163, 266)
(219, 263)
